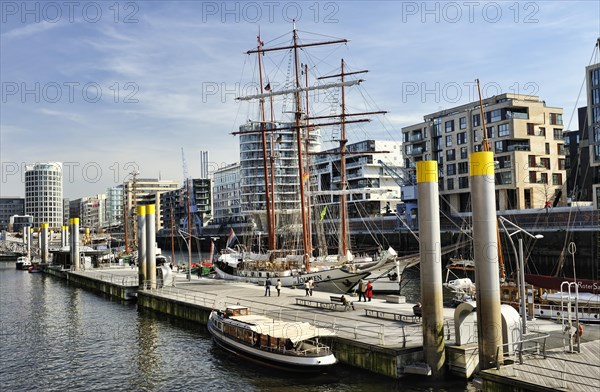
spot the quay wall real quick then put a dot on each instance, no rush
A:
(115, 290)
(173, 307)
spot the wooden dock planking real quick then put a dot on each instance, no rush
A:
(558, 371)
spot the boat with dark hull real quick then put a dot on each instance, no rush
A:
(292, 346)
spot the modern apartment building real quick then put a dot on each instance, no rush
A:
(174, 204)
(372, 189)
(10, 206)
(591, 130)
(44, 194)
(114, 206)
(525, 135)
(141, 191)
(226, 194)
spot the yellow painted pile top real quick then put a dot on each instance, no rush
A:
(427, 171)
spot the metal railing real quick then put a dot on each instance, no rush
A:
(519, 348)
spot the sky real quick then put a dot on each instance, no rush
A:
(110, 87)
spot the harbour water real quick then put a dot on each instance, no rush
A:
(55, 337)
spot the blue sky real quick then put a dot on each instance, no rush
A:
(109, 86)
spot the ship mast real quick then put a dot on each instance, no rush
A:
(343, 180)
(270, 227)
(298, 118)
(298, 125)
(307, 141)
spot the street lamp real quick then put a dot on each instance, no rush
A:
(520, 265)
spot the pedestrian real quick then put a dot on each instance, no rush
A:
(362, 287)
(369, 291)
(307, 287)
(278, 287)
(312, 285)
(268, 287)
(347, 304)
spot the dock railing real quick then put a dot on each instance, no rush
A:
(521, 347)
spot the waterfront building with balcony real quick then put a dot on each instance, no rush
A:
(525, 135)
(372, 190)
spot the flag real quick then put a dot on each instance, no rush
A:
(268, 87)
(231, 238)
(323, 212)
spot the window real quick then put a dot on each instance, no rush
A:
(560, 149)
(561, 164)
(463, 168)
(545, 162)
(449, 141)
(544, 178)
(556, 179)
(556, 119)
(595, 76)
(463, 122)
(595, 96)
(490, 132)
(475, 136)
(542, 131)
(504, 130)
(532, 177)
(449, 126)
(450, 156)
(499, 146)
(450, 183)
(495, 115)
(557, 133)
(463, 182)
(451, 169)
(463, 153)
(547, 148)
(504, 178)
(461, 138)
(476, 120)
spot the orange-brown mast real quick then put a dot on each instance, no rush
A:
(271, 236)
(298, 116)
(307, 141)
(344, 180)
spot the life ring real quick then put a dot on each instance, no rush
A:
(580, 329)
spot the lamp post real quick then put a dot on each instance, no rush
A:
(520, 266)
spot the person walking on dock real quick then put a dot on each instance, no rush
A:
(268, 287)
(307, 287)
(369, 291)
(311, 285)
(278, 287)
(362, 287)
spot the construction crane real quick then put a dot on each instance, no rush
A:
(405, 180)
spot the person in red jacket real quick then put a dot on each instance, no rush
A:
(369, 291)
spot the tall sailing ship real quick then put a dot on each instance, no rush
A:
(286, 205)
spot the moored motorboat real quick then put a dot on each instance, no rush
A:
(292, 346)
(23, 263)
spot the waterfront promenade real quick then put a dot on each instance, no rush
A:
(380, 344)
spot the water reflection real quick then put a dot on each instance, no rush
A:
(147, 357)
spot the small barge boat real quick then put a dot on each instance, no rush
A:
(285, 345)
